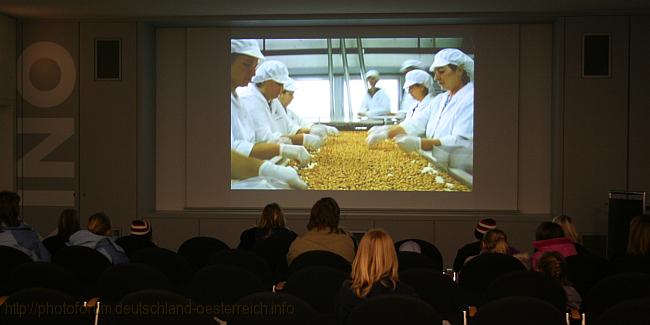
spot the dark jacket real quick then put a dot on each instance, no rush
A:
(348, 300)
(252, 236)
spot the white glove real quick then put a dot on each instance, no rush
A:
(376, 137)
(284, 139)
(331, 130)
(285, 174)
(408, 143)
(295, 152)
(319, 130)
(311, 141)
(378, 128)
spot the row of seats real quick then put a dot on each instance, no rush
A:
(227, 275)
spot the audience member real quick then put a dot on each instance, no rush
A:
(271, 225)
(637, 257)
(549, 237)
(494, 241)
(323, 233)
(140, 237)
(474, 248)
(98, 237)
(141, 229)
(14, 233)
(410, 246)
(374, 272)
(554, 265)
(570, 232)
(68, 225)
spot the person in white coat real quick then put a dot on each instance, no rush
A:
(450, 122)
(266, 112)
(243, 59)
(244, 56)
(376, 101)
(285, 98)
(407, 100)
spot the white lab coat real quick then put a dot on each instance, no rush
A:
(376, 105)
(242, 135)
(418, 108)
(261, 115)
(281, 121)
(452, 124)
(407, 104)
(296, 119)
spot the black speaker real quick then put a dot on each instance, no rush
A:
(623, 206)
(108, 59)
(596, 54)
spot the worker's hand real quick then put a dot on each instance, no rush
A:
(331, 130)
(295, 152)
(376, 137)
(408, 143)
(311, 141)
(319, 130)
(285, 174)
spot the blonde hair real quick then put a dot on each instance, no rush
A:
(569, 229)
(375, 261)
(495, 241)
(639, 239)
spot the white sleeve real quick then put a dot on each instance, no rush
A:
(417, 124)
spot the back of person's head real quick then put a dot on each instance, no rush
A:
(639, 239)
(141, 229)
(325, 213)
(410, 246)
(495, 241)
(548, 230)
(484, 226)
(68, 223)
(9, 209)
(99, 224)
(375, 260)
(567, 225)
(272, 217)
(554, 265)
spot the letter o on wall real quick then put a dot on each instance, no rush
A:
(57, 95)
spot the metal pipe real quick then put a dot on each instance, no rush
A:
(330, 73)
(346, 74)
(362, 62)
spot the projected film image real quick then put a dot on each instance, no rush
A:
(363, 114)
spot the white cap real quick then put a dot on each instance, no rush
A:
(455, 57)
(272, 70)
(248, 47)
(417, 64)
(418, 77)
(290, 86)
(372, 73)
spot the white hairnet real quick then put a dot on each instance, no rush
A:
(272, 70)
(455, 57)
(372, 73)
(290, 86)
(410, 63)
(418, 77)
(248, 47)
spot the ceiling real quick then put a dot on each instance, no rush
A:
(205, 10)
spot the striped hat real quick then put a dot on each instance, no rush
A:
(485, 225)
(140, 228)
